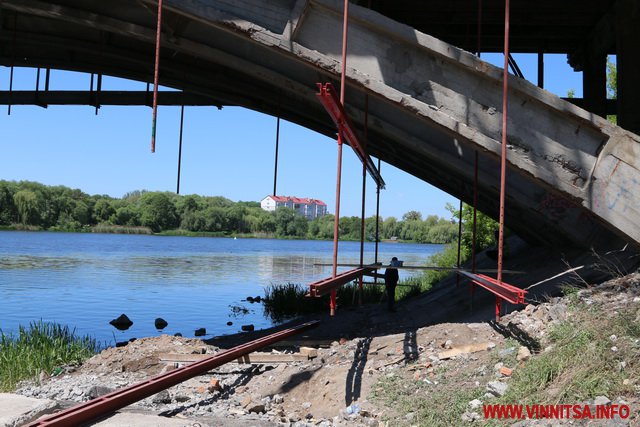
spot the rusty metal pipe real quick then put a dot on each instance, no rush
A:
(156, 73)
(103, 405)
(377, 217)
(336, 222)
(503, 157)
(364, 192)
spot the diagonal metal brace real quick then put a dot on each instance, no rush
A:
(330, 101)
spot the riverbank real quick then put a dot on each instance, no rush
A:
(118, 229)
(432, 363)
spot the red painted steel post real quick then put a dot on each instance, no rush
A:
(336, 223)
(498, 302)
(459, 241)
(364, 188)
(375, 279)
(377, 216)
(503, 163)
(479, 28)
(103, 405)
(475, 214)
(156, 72)
(472, 288)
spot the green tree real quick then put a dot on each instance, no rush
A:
(216, 219)
(194, 221)
(8, 211)
(412, 216)
(157, 211)
(485, 229)
(612, 80)
(26, 202)
(390, 227)
(102, 210)
(283, 217)
(322, 227)
(298, 227)
(612, 86)
(126, 215)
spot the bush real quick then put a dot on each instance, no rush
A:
(289, 300)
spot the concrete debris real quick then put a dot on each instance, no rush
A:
(497, 388)
(523, 354)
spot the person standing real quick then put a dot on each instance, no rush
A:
(390, 282)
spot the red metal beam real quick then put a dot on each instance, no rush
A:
(103, 405)
(324, 286)
(331, 102)
(501, 289)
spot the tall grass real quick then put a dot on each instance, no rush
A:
(580, 363)
(288, 300)
(120, 229)
(42, 347)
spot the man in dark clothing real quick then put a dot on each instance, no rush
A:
(390, 281)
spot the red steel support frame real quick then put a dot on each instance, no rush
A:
(503, 163)
(475, 171)
(502, 290)
(328, 98)
(156, 72)
(364, 192)
(377, 217)
(88, 411)
(336, 221)
(325, 286)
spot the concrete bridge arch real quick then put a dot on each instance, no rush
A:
(572, 175)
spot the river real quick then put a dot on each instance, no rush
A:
(83, 280)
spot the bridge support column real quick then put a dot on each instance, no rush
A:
(594, 84)
(628, 63)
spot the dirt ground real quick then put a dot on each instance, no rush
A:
(355, 350)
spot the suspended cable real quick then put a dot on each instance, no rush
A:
(156, 73)
(180, 146)
(13, 60)
(275, 167)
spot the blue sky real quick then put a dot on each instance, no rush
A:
(228, 153)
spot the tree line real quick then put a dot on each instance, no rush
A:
(31, 205)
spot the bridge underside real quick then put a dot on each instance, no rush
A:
(572, 178)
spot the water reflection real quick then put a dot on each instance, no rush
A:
(84, 280)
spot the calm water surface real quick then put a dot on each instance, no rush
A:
(85, 280)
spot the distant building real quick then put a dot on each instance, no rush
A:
(310, 208)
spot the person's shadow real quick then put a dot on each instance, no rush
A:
(353, 383)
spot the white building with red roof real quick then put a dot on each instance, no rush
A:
(309, 208)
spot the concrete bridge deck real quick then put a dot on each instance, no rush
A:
(573, 177)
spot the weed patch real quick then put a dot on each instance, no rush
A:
(42, 347)
(419, 403)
